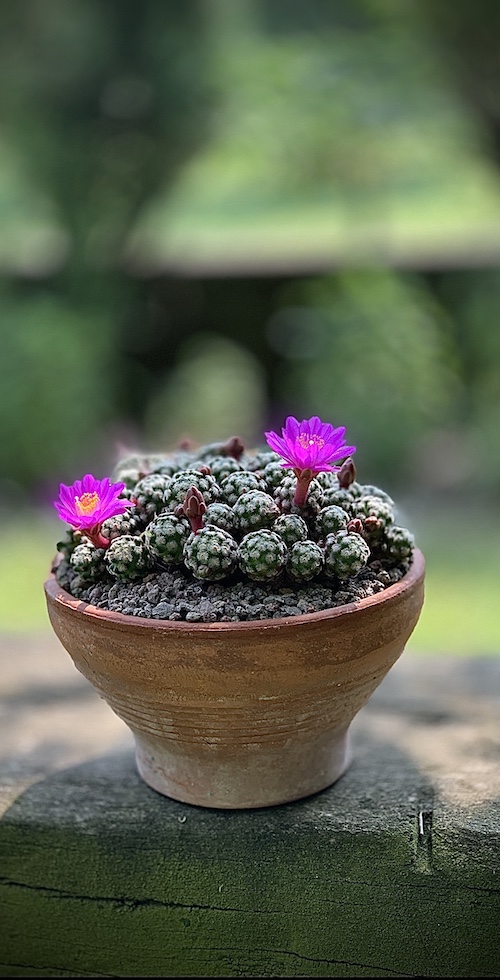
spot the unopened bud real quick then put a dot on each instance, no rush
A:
(355, 525)
(347, 473)
(193, 507)
(372, 523)
(233, 447)
(186, 444)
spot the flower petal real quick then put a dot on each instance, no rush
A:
(291, 429)
(90, 514)
(310, 444)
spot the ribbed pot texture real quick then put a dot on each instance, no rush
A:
(237, 715)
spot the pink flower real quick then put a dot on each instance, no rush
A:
(89, 502)
(309, 447)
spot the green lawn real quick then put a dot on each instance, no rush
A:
(462, 551)
(26, 551)
(460, 614)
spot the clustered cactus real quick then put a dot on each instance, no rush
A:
(221, 513)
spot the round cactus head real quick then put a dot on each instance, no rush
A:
(346, 553)
(305, 561)
(291, 527)
(183, 483)
(262, 555)
(128, 557)
(211, 554)
(254, 510)
(166, 536)
(88, 562)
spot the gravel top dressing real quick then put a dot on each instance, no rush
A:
(173, 595)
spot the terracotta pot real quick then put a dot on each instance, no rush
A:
(236, 715)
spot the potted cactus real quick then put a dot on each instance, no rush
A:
(236, 608)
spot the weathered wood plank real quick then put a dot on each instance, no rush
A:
(394, 871)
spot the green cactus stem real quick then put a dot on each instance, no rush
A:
(183, 481)
(330, 520)
(273, 474)
(166, 536)
(127, 523)
(398, 542)
(327, 479)
(305, 561)
(339, 497)
(262, 555)
(346, 553)
(222, 466)
(150, 494)
(237, 483)
(369, 490)
(211, 554)
(255, 510)
(369, 506)
(220, 515)
(291, 528)
(128, 557)
(258, 461)
(88, 562)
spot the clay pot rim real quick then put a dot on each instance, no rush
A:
(61, 598)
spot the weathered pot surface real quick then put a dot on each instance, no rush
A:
(238, 715)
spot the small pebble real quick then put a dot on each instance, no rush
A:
(172, 595)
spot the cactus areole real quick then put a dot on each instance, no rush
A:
(236, 620)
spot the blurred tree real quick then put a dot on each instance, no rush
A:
(102, 98)
(53, 384)
(467, 34)
(333, 145)
(99, 100)
(373, 351)
(216, 390)
(472, 299)
(172, 170)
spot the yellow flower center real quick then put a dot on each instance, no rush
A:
(308, 439)
(87, 503)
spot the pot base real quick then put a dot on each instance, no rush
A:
(265, 777)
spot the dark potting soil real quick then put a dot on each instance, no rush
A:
(174, 595)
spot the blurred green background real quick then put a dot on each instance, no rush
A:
(219, 212)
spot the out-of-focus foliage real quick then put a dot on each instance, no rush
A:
(98, 98)
(373, 351)
(55, 368)
(338, 137)
(473, 300)
(217, 388)
(309, 154)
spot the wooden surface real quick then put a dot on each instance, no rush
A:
(392, 872)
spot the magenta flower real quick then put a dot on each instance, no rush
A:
(89, 502)
(309, 447)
